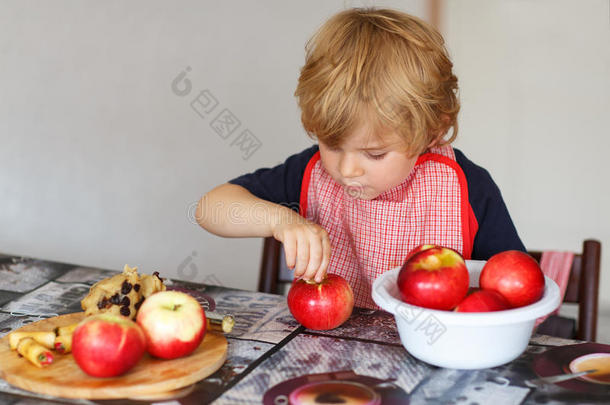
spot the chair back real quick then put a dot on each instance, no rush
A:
(274, 274)
(582, 289)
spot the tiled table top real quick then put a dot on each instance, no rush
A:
(269, 353)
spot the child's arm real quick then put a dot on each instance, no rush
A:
(232, 211)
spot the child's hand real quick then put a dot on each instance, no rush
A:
(307, 248)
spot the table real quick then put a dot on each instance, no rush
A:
(270, 353)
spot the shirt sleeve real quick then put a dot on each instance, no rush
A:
(280, 184)
(496, 231)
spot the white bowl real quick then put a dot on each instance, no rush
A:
(463, 340)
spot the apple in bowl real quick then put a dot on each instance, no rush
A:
(174, 324)
(419, 248)
(483, 301)
(107, 345)
(484, 339)
(514, 274)
(434, 278)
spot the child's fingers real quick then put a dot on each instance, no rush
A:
(290, 251)
(302, 256)
(320, 275)
(310, 274)
(316, 254)
(326, 250)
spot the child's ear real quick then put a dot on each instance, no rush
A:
(437, 138)
(433, 143)
(437, 135)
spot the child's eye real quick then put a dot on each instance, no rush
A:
(376, 156)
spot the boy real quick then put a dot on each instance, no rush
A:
(378, 93)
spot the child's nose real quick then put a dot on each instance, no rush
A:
(349, 167)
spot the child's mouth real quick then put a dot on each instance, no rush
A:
(354, 191)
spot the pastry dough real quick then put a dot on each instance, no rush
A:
(63, 344)
(151, 284)
(47, 339)
(66, 330)
(121, 294)
(36, 353)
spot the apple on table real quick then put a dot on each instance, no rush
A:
(173, 322)
(107, 345)
(321, 306)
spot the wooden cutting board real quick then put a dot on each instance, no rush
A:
(151, 377)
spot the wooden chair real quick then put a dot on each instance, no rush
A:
(273, 271)
(583, 287)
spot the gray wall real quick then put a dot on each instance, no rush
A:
(101, 162)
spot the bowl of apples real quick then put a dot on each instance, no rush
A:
(466, 314)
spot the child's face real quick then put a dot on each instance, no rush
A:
(366, 165)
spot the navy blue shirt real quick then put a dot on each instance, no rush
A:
(496, 233)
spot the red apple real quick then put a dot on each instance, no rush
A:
(173, 322)
(435, 278)
(321, 306)
(514, 274)
(483, 301)
(107, 345)
(420, 248)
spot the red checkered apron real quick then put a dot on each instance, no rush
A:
(370, 237)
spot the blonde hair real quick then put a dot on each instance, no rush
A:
(380, 65)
